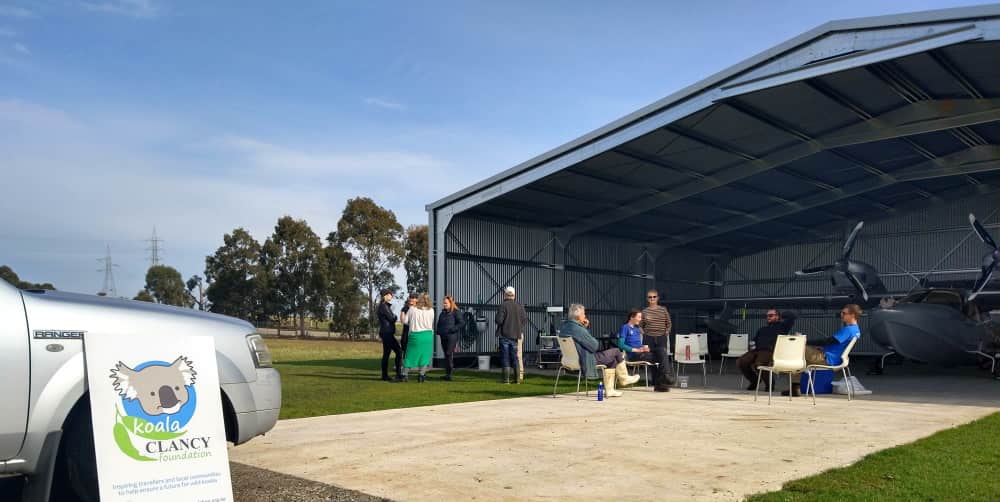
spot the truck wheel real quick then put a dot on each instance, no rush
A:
(76, 464)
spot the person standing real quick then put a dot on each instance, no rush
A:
(449, 328)
(510, 320)
(421, 345)
(764, 341)
(410, 301)
(655, 326)
(387, 332)
(630, 343)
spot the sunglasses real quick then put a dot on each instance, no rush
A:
(650, 297)
(772, 315)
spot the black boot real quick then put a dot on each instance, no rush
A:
(447, 377)
(796, 390)
(421, 378)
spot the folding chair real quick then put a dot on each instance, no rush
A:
(789, 357)
(844, 366)
(687, 351)
(571, 362)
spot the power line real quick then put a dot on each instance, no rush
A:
(154, 249)
(109, 288)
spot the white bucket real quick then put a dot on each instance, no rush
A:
(682, 381)
(484, 363)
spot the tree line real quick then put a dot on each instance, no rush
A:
(296, 274)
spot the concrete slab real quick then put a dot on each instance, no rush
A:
(702, 444)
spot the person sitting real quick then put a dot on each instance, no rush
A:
(575, 327)
(764, 340)
(630, 342)
(832, 347)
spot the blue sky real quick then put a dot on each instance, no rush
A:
(117, 116)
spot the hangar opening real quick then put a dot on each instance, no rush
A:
(718, 194)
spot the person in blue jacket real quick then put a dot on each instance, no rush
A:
(832, 347)
(630, 343)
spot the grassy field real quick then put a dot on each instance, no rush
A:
(955, 464)
(330, 377)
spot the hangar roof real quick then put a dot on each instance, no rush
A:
(855, 119)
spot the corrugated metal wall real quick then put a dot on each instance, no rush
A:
(605, 275)
(898, 247)
(611, 276)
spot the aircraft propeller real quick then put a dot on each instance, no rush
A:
(721, 323)
(843, 264)
(990, 259)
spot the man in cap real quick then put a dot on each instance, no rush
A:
(387, 332)
(511, 319)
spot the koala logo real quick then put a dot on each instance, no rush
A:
(160, 390)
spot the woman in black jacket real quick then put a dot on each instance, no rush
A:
(449, 328)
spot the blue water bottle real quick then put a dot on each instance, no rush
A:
(600, 391)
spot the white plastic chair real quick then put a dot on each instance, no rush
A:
(571, 362)
(844, 366)
(703, 345)
(739, 344)
(789, 357)
(687, 350)
(641, 364)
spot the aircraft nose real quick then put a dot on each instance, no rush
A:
(167, 397)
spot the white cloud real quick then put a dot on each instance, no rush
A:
(16, 12)
(22, 49)
(384, 103)
(133, 8)
(269, 156)
(104, 183)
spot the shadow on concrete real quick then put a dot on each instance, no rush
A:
(251, 484)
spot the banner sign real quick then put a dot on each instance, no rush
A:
(159, 433)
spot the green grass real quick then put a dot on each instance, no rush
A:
(324, 377)
(955, 464)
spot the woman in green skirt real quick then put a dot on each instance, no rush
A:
(420, 348)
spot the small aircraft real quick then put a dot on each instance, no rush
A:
(931, 324)
(938, 325)
(848, 276)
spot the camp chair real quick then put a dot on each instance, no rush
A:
(571, 362)
(688, 351)
(789, 357)
(844, 366)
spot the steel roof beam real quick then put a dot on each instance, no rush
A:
(781, 125)
(654, 161)
(978, 159)
(949, 67)
(916, 118)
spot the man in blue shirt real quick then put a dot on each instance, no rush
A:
(833, 346)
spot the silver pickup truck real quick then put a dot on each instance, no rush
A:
(45, 427)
